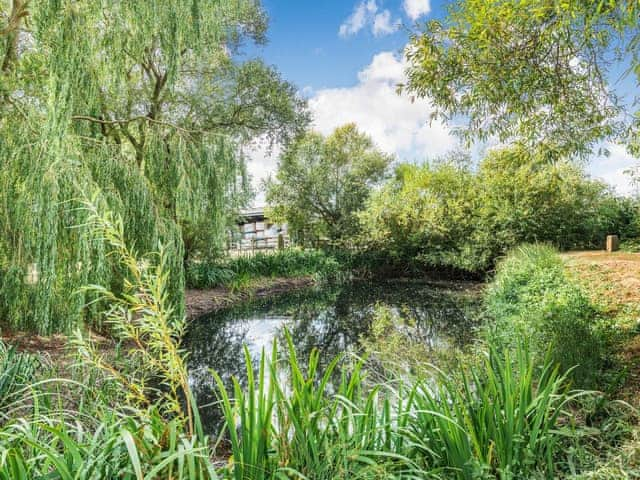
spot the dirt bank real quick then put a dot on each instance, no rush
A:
(198, 303)
(613, 278)
(201, 302)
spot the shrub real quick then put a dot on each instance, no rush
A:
(631, 245)
(446, 214)
(533, 298)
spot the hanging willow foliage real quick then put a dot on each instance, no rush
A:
(96, 96)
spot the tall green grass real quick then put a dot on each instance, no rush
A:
(532, 297)
(295, 423)
(502, 419)
(283, 263)
(17, 373)
(53, 445)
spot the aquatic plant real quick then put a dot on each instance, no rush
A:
(54, 445)
(239, 270)
(295, 421)
(503, 418)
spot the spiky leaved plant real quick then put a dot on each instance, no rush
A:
(148, 327)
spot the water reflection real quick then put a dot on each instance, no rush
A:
(331, 319)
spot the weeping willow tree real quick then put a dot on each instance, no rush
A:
(139, 103)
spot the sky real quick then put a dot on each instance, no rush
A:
(345, 56)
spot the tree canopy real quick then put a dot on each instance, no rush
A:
(140, 104)
(445, 214)
(537, 71)
(322, 182)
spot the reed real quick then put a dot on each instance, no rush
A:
(286, 263)
(295, 421)
(503, 419)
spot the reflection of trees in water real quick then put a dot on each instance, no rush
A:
(216, 344)
(442, 317)
(332, 329)
(332, 320)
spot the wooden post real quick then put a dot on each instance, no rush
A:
(280, 241)
(613, 243)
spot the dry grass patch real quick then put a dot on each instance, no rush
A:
(613, 279)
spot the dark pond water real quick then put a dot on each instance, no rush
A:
(331, 319)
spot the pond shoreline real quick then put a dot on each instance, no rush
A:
(200, 302)
(197, 304)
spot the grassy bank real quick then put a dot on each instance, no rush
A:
(237, 272)
(581, 311)
(535, 298)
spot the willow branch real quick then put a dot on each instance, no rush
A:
(127, 121)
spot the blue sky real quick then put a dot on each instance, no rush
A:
(345, 56)
(306, 45)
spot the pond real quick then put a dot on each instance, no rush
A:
(331, 319)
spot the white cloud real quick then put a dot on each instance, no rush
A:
(416, 8)
(612, 169)
(367, 13)
(382, 24)
(358, 18)
(396, 123)
(385, 67)
(261, 162)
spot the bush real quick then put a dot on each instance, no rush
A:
(282, 263)
(447, 214)
(631, 245)
(533, 298)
